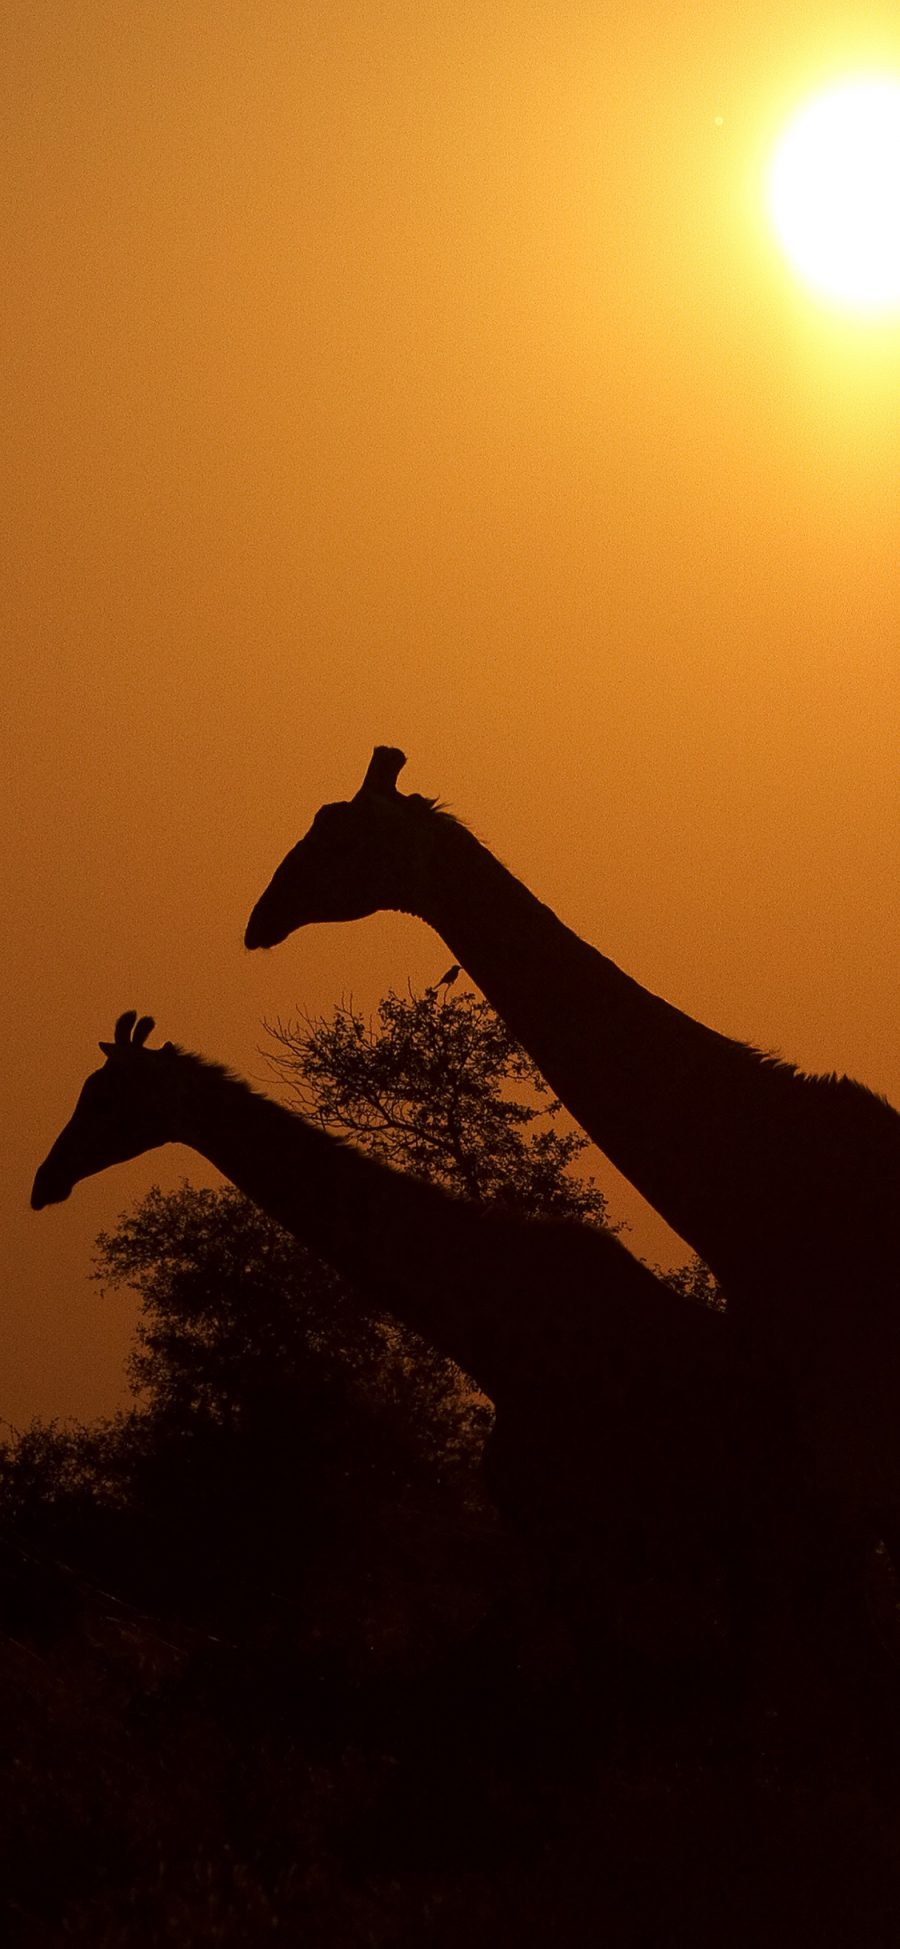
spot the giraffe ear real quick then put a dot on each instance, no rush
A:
(385, 766)
(109, 1049)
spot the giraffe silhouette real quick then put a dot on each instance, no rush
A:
(787, 1185)
(612, 1392)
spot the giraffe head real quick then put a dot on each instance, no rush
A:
(358, 857)
(116, 1117)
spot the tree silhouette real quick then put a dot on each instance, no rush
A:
(435, 1084)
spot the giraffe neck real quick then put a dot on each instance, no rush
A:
(371, 1223)
(483, 1287)
(669, 1101)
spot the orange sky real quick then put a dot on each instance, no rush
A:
(424, 374)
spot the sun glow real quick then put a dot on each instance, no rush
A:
(834, 194)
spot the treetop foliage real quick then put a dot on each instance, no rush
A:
(217, 1280)
(436, 1085)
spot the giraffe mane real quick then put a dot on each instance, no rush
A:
(221, 1073)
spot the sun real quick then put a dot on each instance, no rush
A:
(834, 194)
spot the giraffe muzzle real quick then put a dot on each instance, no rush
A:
(48, 1189)
(263, 930)
(53, 1182)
